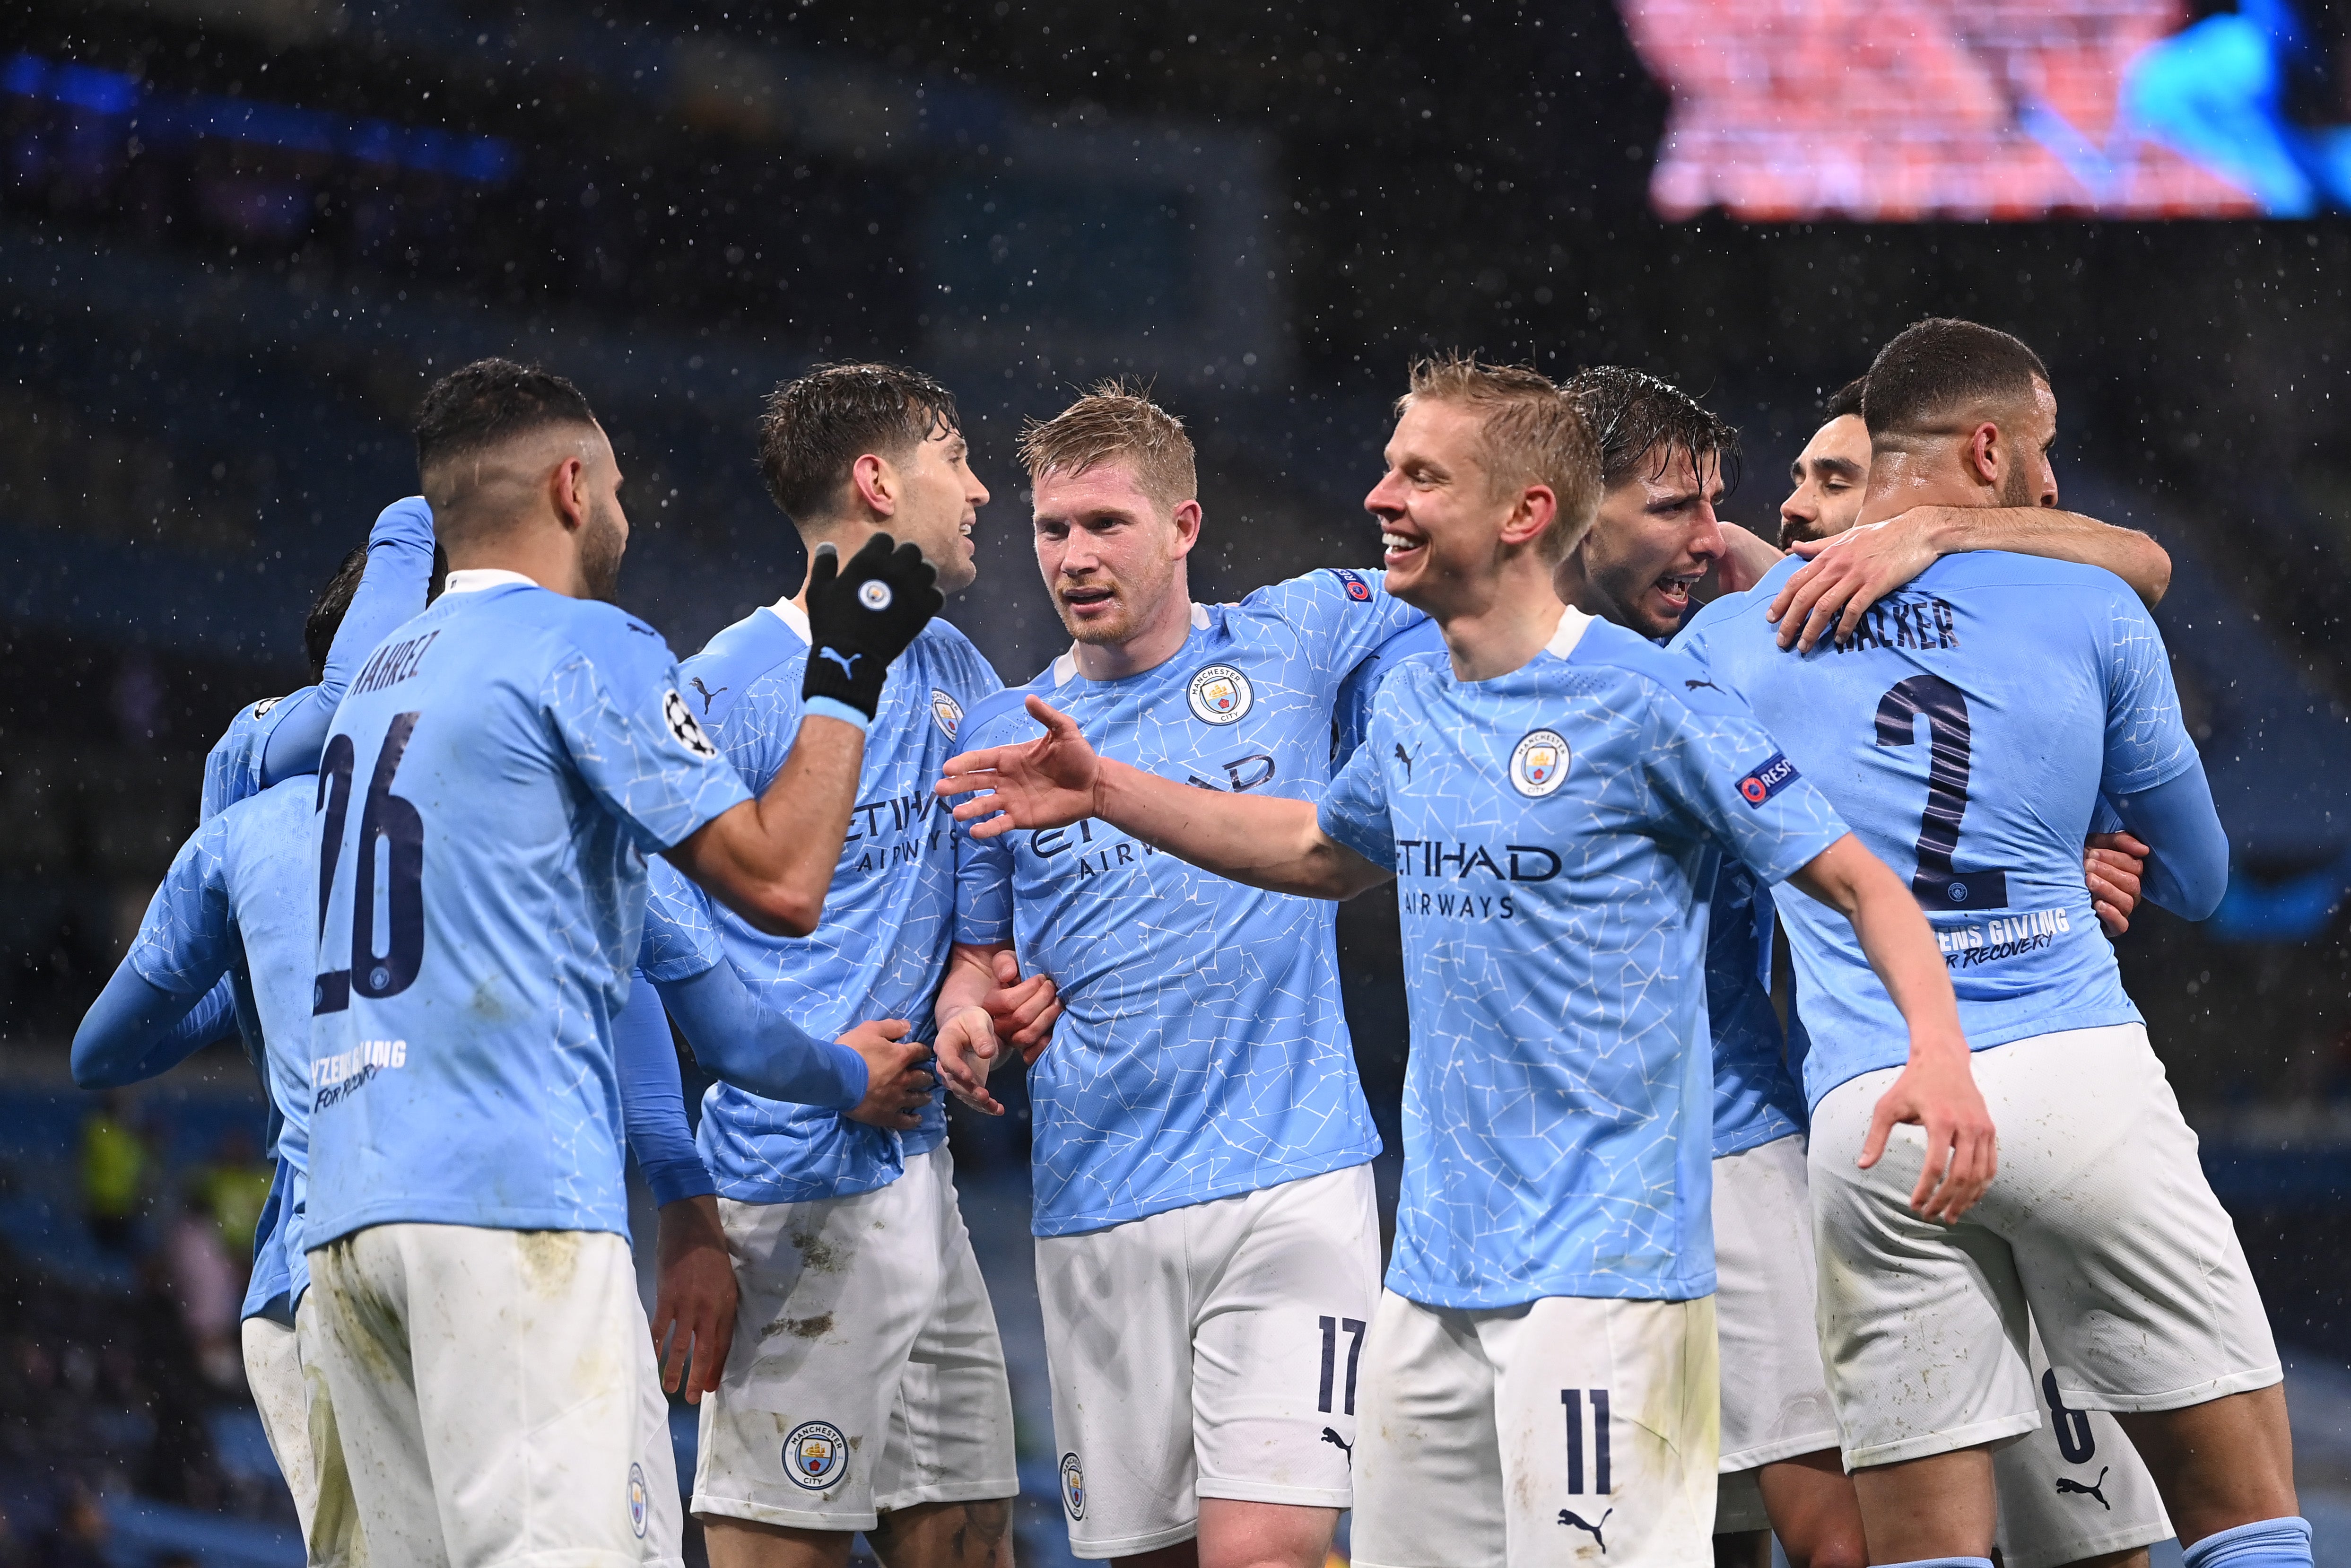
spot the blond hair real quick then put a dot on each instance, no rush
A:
(1531, 433)
(1115, 421)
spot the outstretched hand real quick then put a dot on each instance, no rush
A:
(1847, 573)
(1047, 783)
(1938, 1094)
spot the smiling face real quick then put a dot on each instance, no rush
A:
(1440, 522)
(1831, 477)
(1654, 536)
(1110, 554)
(938, 505)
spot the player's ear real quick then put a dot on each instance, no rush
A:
(567, 489)
(1531, 516)
(875, 485)
(1985, 448)
(1187, 529)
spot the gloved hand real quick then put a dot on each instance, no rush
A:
(861, 616)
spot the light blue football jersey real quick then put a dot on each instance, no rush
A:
(241, 900)
(1756, 1100)
(880, 950)
(1966, 733)
(1554, 833)
(1203, 1051)
(495, 778)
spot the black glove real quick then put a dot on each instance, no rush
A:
(861, 616)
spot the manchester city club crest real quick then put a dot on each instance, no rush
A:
(946, 712)
(1221, 695)
(639, 1500)
(1074, 1486)
(1539, 764)
(816, 1455)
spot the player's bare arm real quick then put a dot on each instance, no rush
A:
(984, 1004)
(1937, 1092)
(1265, 842)
(1853, 570)
(771, 860)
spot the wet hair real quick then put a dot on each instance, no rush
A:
(815, 427)
(1636, 416)
(1845, 400)
(1938, 368)
(1116, 420)
(1532, 434)
(326, 611)
(488, 403)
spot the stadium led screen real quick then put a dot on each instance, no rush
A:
(1900, 110)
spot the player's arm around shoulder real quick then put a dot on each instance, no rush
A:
(1263, 840)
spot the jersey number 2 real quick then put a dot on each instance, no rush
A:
(387, 817)
(1949, 740)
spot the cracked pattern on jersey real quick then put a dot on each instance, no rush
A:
(240, 899)
(1554, 833)
(880, 948)
(538, 770)
(1204, 1051)
(1757, 1098)
(1966, 735)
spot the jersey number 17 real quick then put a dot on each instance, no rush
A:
(384, 818)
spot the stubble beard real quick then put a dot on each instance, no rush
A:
(600, 547)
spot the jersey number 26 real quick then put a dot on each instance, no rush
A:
(387, 819)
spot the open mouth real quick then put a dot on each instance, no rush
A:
(1675, 589)
(1087, 600)
(1399, 548)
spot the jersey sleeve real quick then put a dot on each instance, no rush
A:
(983, 866)
(233, 767)
(634, 739)
(391, 591)
(653, 1100)
(1345, 613)
(1711, 762)
(1356, 811)
(680, 940)
(187, 941)
(2147, 742)
(1353, 717)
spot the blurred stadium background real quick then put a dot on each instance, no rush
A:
(238, 238)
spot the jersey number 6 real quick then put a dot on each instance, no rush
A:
(1949, 739)
(387, 817)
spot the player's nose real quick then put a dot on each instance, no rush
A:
(1387, 497)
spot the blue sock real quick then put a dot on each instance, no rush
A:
(2264, 1543)
(1949, 1563)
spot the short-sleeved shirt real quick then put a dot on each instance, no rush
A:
(492, 785)
(1756, 1097)
(1966, 732)
(1554, 835)
(241, 900)
(1203, 1050)
(880, 948)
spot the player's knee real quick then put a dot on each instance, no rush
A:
(1831, 1549)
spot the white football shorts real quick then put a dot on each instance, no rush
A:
(273, 1369)
(1210, 1351)
(495, 1397)
(2100, 1222)
(866, 1375)
(1565, 1431)
(2072, 1487)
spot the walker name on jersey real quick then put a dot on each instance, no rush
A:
(2002, 936)
(1905, 620)
(346, 1072)
(392, 663)
(917, 823)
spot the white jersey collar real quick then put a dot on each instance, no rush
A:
(1572, 622)
(474, 578)
(793, 616)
